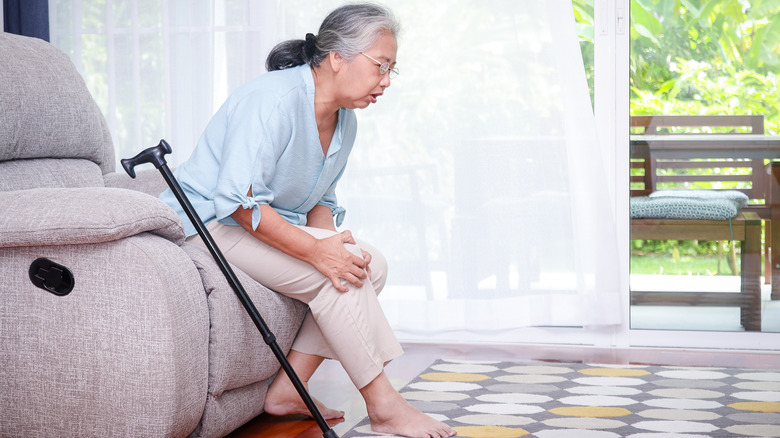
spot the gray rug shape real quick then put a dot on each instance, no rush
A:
(573, 400)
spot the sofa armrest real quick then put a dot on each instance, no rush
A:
(69, 216)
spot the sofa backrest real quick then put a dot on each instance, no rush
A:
(52, 133)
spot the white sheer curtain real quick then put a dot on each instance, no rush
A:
(478, 173)
(161, 68)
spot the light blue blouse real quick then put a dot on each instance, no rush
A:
(265, 137)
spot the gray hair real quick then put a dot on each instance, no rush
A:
(348, 30)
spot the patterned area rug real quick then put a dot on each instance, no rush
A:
(561, 400)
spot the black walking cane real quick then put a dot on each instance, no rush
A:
(156, 156)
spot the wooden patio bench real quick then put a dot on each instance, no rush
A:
(658, 171)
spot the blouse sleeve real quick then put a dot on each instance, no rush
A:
(248, 159)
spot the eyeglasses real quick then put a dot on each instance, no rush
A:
(383, 67)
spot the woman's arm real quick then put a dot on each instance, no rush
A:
(328, 255)
(321, 217)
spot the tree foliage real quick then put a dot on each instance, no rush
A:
(706, 57)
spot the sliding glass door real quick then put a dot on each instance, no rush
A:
(704, 114)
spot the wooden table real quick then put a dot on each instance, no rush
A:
(728, 150)
(712, 145)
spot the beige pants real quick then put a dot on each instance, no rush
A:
(347, 326)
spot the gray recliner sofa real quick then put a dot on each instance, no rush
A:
(110, 324)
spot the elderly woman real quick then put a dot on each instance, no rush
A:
(263, 177)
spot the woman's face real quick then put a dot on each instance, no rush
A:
(361, 83)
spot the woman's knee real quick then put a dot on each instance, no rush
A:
(378, 263)
(378, 266)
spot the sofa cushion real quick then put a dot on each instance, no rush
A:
(148, 181)
(46, 110)
(240, 363)
(65, 216)
(234, 337)
(49, 172)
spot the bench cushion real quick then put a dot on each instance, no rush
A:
(672, 207)
(734, 195)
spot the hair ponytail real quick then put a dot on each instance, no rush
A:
(285, 55)
(348, 30)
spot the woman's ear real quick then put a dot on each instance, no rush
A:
(336, 61)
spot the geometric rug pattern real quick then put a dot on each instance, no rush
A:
(564, 400)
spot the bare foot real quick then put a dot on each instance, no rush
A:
(394, 415)
(283, 399)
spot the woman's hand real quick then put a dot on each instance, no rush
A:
(328, 256)
(333, 260)
(367, 258)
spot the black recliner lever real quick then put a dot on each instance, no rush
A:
(51, 277)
